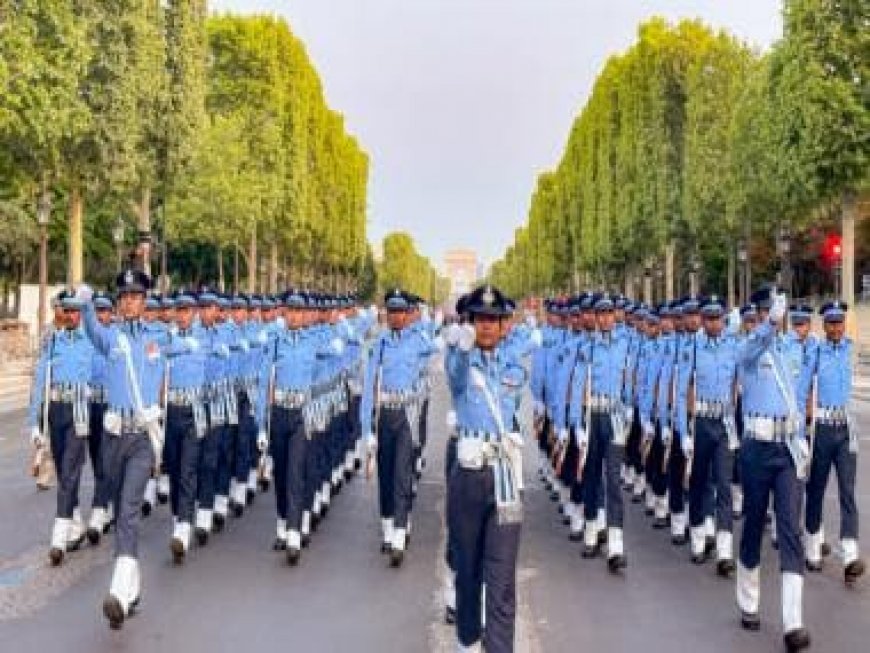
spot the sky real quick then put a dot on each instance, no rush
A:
(461, 104)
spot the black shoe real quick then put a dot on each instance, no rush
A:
(554, 496)
(237, 509)
(709, 546)
(566, 521)
(589, 552)
(738, 515)
(826, 549)
(561, 509)
(660, 522)
(725, 568)
(279, 544)
(649, 512)
(201, 536)
(796, 640)
(750, 621)
(348, 475)
(814, 566)
(699, 558)
(306, 540)
(636, 498)
(114, 612)
(679, 540)
(627, 487)
(263, 484)
(396, 558)
(336, 489)
(162, 499)
(293, 554)
(576, 536)
(76, 544)
(146, 508)
(94, 535)
(357, 464)
(449, 616)
(854, 570)
(602, 537)
(55, 556)
(616, 563)
(177, 548)
(386, 547)
(219, 521)
(250, 496)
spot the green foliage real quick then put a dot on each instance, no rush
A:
(689, 137)
(403, 267)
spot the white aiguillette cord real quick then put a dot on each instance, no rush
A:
(507, 502)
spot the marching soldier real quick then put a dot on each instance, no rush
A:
(98, 523)
(484, 504)
(58, 415)
(133, 434)
(392, 372)
(706, 407)
(603, 433)
(825, 389)
(774, 456)
(186, 422)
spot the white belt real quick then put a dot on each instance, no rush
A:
(476, 453)
(602, 403)
(768, 429)
(290, 399)
(709, 409)
(832, 416)
(183, 396)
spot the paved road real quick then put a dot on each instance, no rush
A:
(237, 595)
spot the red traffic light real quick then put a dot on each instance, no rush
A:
(832, 249)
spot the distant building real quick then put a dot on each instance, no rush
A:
(461, 267)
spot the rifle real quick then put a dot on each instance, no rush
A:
(671, 398)
(587, 417)
(690, 435)
(370, 460)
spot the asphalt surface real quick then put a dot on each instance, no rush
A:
(237, 595)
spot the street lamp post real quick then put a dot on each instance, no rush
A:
(694, 269)
(118, 239)
(43, 214)
(784, 248)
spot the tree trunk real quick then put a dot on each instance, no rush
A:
(75, 265)
(273, 267)
(670, 249)
(220, 263)
(252, 261)
(732, 298)
(143, 250)
(847, 269)
(235, 267)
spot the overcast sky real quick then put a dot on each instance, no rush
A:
(462, 103)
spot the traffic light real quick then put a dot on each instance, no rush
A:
(832, 251)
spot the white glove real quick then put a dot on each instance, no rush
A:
(281, 322)
(467, 337)
(244, 345)
(371, 443)
(531, 321)
(451, 335)
(688, 448)
(536, 338)
(262, 338)
(224, 351)
(84, 293)
(37, 439)
(734, 320)
(563, 435)
(648, 430)
(580, 436)
(439, 343)
(338, 345)
(778, 309)
(262, 441)
(539, 409)
(191, 343)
